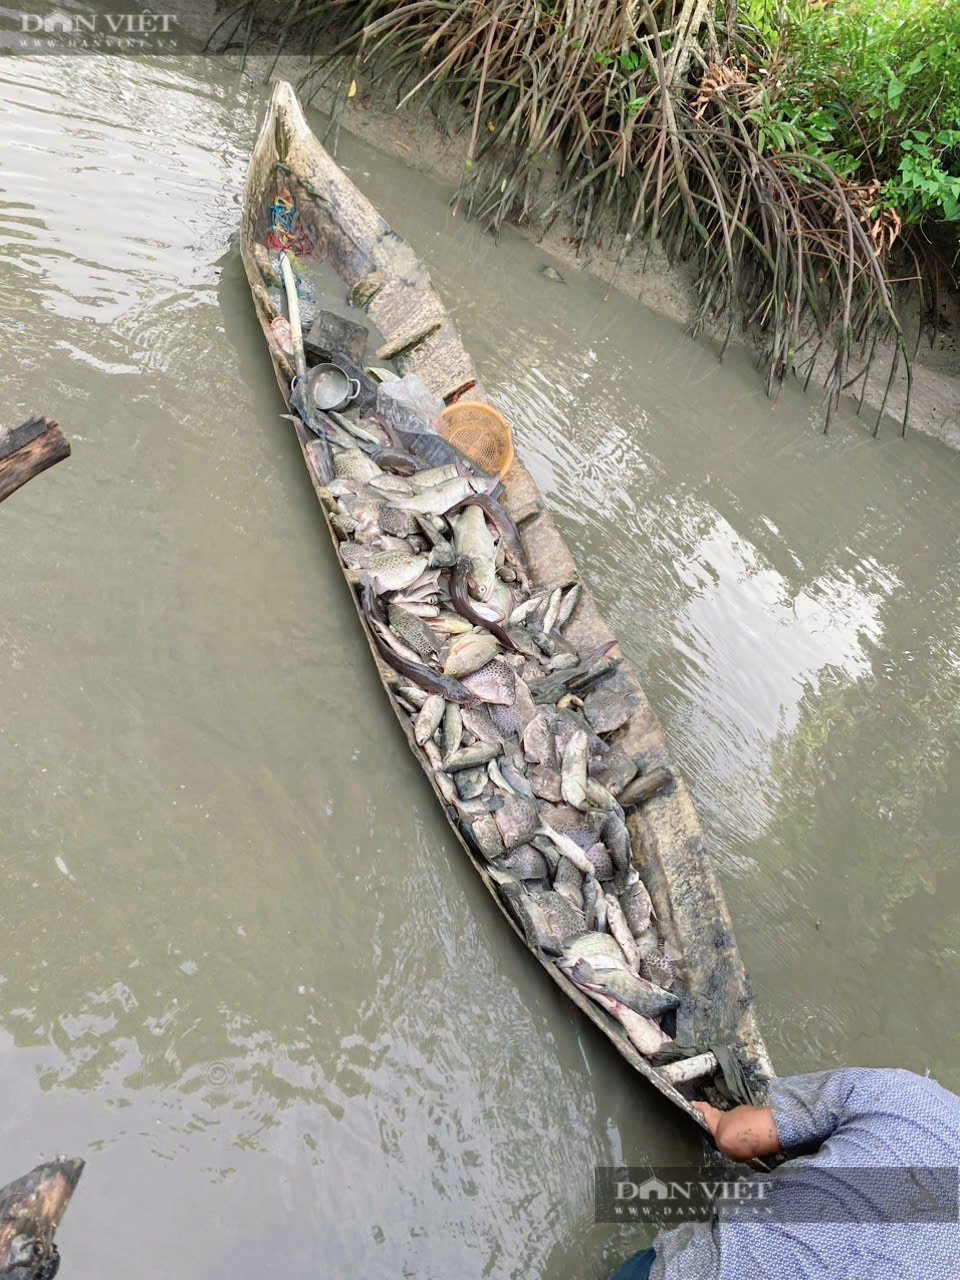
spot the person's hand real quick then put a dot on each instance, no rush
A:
(742, 1133)
(711, 1116)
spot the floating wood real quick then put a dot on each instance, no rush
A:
(27, 450)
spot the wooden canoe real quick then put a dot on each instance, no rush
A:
(668, 844)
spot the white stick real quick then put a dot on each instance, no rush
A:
(687, 1069)
(293, 306)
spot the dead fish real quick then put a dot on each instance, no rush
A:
(600, 950)
(567, 606)
(452, 728)
(509, 534)
(637, 908)
(472, 757)
(413, 631)
(438, 500)
(573, 774)
(479, 722)
(552, 274)
(464, 605)
(517, 819)
(420, 675)
(485, 834)
(434, 476)
(513, 719)
(351, 464)
(451, 624)
(474, 543)
(31, 1209)
(530, 916)
(545, 782)
(614, 770)
(620, 984)
(525, 609)
(643, 1033)
(516, 779)
(609, 709)
(562, 661)
(428, 721)
(565, 921)
(569, 848)
(602, 862)
(494, 682)
(569, 881)
(526, 861)
(391, 484)
(396, 460)
(412, 694)
(401, 524)
(553, 609)
(620, 930)
(393, 570)
(540, 742)
(592, 893)
(469, 653)
(471, 783)
(616, 839)
(642, 788)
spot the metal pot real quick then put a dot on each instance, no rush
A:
(328, 387)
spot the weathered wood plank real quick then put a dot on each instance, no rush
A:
(27, 450)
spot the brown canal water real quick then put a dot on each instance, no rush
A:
(244, 969)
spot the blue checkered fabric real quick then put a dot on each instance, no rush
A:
(835, 1122)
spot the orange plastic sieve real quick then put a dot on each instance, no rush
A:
(480, 433)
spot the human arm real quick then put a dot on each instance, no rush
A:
(743, 1133)
(803, 1111)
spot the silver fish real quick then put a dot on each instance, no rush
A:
(637, 908)
(569, 848)
(472, 757)
(473, 540)
(569, 603)
(452, 728)
(643, 1033)
(573, 778)
(428, 721)
(434, 476)
(620, 984)
(621, 932)
(526, 608)
(553, 609)
(437, 500)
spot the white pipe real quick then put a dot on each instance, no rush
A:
(293, 306)
(687, 1069)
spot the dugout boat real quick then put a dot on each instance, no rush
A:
(532, 730)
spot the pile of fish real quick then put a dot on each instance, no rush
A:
(514, 722)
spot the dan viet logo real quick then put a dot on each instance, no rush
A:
(624, 1195)
(98, 32)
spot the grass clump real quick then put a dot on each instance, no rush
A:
(792, 148)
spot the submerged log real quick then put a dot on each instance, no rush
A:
(27, 450)
(30, 1212)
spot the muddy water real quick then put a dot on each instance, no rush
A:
(244, 971)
